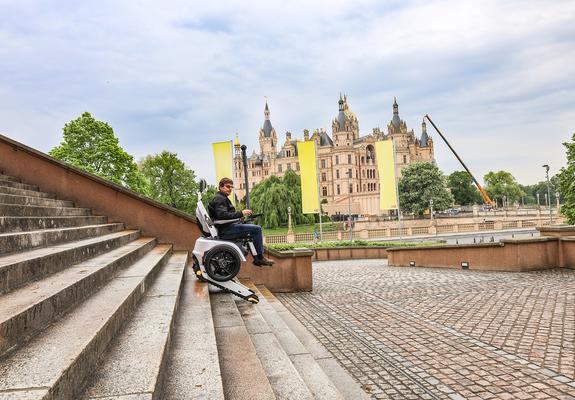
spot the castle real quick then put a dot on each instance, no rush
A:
(346, 160)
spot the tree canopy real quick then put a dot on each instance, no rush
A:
(272, 196)
(566, 183)
(91, 145)
(170, 181)
(502, 184)
(463, 188)
(421, 182)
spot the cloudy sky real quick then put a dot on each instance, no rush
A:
(498, 77)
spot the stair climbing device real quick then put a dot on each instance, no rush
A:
(217, 259)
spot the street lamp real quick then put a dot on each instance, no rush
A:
(558, 204)
(548, 192)
(431, 210)
(538, 202)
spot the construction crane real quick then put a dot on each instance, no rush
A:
(484, 194)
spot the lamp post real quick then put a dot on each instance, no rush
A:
(538, 203)
(548, 192)
(558, 204)
(431, 210)
(349, 205)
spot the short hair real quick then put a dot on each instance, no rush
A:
(225, 181)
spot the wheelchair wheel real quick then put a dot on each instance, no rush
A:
(222, 263)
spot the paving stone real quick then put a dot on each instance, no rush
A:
(471, 334)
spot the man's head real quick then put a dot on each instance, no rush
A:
(225, 186)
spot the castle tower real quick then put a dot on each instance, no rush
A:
(268, 138)
(423, 142)
(345, 128)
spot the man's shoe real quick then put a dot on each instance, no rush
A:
(263, 262)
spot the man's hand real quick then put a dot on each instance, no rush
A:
(247, 213)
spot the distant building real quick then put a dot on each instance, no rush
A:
(344, 152)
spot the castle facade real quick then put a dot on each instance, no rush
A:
(346, 161)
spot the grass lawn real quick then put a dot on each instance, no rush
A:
(354, 243)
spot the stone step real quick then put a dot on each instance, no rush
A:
(9, 178)
(57, 362)
(22, 268)
(22, 192)
(347, 386)
(25, 224)
(17, 185)
(193, 367)
(31, 308)
(315, 378)
(243, 376)
(22, 241)
(135, 363)
(14, 210)
(33, 201)
(280, 371)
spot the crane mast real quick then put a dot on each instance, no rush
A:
(484, 194)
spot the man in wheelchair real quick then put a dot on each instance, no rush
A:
(221, 209)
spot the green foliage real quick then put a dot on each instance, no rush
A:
(91, 145)
(463, 188)
(347, 243)
(566, 183)
(531, 191)
(272, 196)
(171, 182)
(502, 184)
(421, 182)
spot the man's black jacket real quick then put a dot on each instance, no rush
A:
(221, 208)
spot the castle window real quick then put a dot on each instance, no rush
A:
(288, 166)
(363, 175)
(357, 188)
(337, 159)
(323, 163)
(364, 187)
(337, 173)
(279, 168)
(338, 191)
(350, 188)
(363, 160)
(324, 191)
(349, 158)
(349, 173)
(323, 177)
(404, 159)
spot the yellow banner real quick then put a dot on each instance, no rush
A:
(223, 158)
(308, 173)
(386, 170)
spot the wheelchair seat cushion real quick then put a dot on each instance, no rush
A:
(235, 236)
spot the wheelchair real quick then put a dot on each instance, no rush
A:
(217, 258)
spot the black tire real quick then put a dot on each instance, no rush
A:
(222, 263)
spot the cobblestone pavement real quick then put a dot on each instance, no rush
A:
(422, 333)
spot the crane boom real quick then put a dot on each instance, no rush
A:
(479, 187)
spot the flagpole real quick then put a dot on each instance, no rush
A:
(397, 193)
(318, 192)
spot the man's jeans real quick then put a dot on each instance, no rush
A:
(254, 230)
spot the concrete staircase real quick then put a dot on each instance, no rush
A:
(92, 310)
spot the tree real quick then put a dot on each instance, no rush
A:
(274, 195)
(566, 183)
(502, 184)
(421, 182)
(91, 145)
(170, 181)
(463, 188)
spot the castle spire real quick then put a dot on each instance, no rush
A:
(267, 128)
(341, 115)
(423, 142)
(396, 121)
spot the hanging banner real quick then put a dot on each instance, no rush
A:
(223, 159)
(387, 180)
(308, 173)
